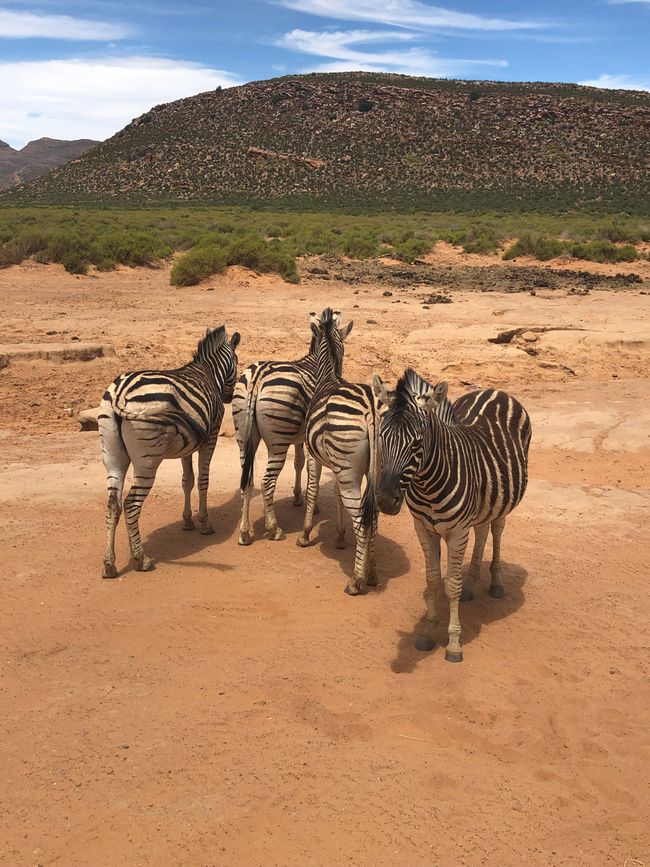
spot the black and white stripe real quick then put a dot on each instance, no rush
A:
(458, 474)
(270, 403)
(340, 433)
(150, 415)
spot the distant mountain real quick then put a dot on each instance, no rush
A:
(374, 140)
(37, 158)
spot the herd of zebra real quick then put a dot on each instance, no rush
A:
(459, 466)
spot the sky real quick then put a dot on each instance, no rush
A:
(85, 68)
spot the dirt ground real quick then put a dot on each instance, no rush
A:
(234, 707)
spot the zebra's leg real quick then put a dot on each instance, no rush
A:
(205, 456)
(430, 543)
(247, 493)
(314, 470)
(277, 458)
(340, 519)
(371, 568)
(456, 545)
(496, 590)
(298, 464)
(188, 486)
(116, 460)
(143, 479)
(480, 538)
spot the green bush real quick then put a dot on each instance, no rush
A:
(359, 246)
(602, 251)
(412, 249)
(197, 264)
(537, 246)
(617, 233)
(132, 248)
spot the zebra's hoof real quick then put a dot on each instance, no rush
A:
(207, 530)
(303, 542)
(340, 544)
(188, 525)
(144, 565)
(466, 596)
(454, 656)
(276, 535)
(372, 581)
(496, 591)
(298, 501)
(424, 643)
(244, 538)
(351, 590)
(316, 509)
(109, 570)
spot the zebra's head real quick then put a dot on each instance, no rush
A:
(328, 339)
(403, 432)
(219, 355)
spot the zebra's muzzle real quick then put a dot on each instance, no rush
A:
(389, 495)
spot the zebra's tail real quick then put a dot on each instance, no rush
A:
(246, 438)
(369, 510)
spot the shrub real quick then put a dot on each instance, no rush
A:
(197, 264)
(602, 251)
(617, 233)
(412, 249)
(132, 248)
(535, 245)
(359, 246)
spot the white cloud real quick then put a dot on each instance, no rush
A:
(619, 82)
(27, 25)
(92, 98)
(341, 48)
(406, 13)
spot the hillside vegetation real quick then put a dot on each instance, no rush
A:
(210, 239)
(375, 141)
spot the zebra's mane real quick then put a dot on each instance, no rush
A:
(210, 344)
(408, 387)
(328, 324)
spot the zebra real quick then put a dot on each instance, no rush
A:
(470, 471)
(340, 431)
(149, 415)
(270, 403)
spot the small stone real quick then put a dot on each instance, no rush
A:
(68, 411)
(529, 336)
(371, 321)
(387, 294)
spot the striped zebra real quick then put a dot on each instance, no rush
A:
(270, 403)
(149, 415)
(340, 431)
(455, 475)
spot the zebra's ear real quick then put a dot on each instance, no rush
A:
(440, 390)
(433, 396)
(314, 319)
(345, 331)
(380, 390)
(234, 340)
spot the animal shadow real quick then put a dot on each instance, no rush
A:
(391, 559)
(481, 611)
(171, 544)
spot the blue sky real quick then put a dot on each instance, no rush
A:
(85, 68)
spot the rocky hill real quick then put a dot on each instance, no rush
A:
(37, 158)
(375, 140)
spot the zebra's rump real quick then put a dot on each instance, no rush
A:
(178, 398)
(282, 391)
(339, 423)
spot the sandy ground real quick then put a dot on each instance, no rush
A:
(234, 706)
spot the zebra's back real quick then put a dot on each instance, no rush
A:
(478, 471)
(185, 397)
